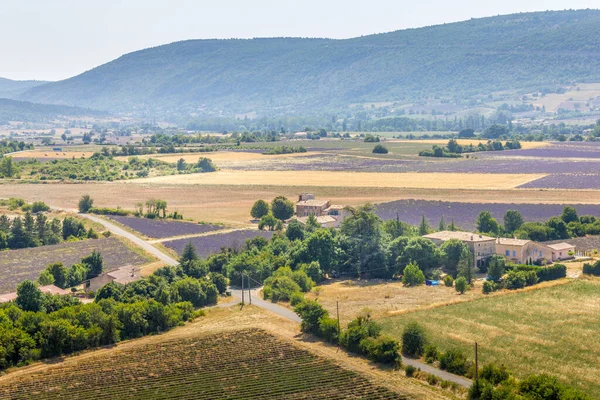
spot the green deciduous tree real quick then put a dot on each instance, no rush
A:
(512, 220)
(85, 203)
(294, 230)
(29, 296)
(414, 340)
(486, 223)
(259, 209)
(569, 214)
(282, 208)
(412, 275)
(451, 251)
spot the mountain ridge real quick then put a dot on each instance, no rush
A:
(293, 75)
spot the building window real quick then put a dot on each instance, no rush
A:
(508, 252)
(514, 253)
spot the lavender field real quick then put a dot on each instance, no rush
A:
(464, 214)
(564, 181)
(557, 150)
(156, 228)
(488, 165)
(210, 244)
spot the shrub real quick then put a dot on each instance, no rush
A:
(380, 149)
(412, 275)
(489, 287)
(220, 281)
(85, 203)
(432, 379)
(313, 270)
(461, 285)
(296, 298)
(494, 374)
(311, 312)
(454, 361)
(413, 340)
(448, 281)
(410, 371)
(303, 281)
(531, 278)
(592, 269)
(382, 349)
(431, 354)
(328, 329)
(359, 328)
(280, 288)
(39, 206)
(108, 211)
(515, 280)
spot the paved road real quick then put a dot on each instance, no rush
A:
(130, 236)
(286, 313)
(257, 301)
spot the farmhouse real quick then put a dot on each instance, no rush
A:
(121, 275)
(481, 246)
(520, 251)
(328, 215)
(561, 251)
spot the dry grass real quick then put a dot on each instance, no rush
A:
(553, 101)
(550, 328)
(349, 179)
(385, 298)
(221, 320)
(231, 204)
(219, 156)
(49, 154)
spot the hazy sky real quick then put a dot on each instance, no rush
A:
(56, 39)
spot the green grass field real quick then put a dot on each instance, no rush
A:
(550, 330)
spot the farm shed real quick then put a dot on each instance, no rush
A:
(560, 251)
(121, 275)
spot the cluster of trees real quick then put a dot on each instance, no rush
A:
(453, 149)
(63, 277)
(203, 165)
(565, 226)
(38, 230)
(516, 276)
(362, 335)
(38, 325)
(288, 285)
(272, 215)
(286, 150)
(11, 146)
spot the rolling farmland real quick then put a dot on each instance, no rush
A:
(464, 214)
(210, 244)
(156, 228)
(546, 329)
(249, 364)
(18, 265)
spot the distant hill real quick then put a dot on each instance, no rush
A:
(287, 75)
(10, 89)
(23, 111)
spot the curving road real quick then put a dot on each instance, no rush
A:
(257, 301)
(122, 232)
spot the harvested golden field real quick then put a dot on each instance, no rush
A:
(385, 298)
(350, 179)
(230, 204)
(230, 353)
(550, 328)
(53, 155)
(218, 156)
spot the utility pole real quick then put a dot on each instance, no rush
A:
(249, 290)
(476, 364)
(337, 306)
(242, 288)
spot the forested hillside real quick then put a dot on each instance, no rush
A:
(287, 75)
(10, 89)
(23, 111)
